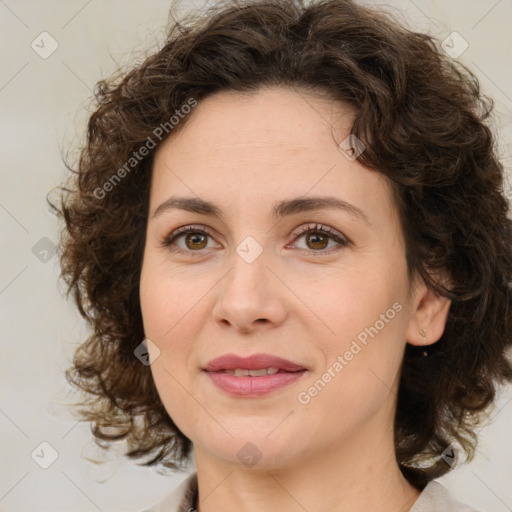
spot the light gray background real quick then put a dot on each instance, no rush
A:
(43, 106)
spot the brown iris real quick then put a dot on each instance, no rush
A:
(196, 238)
(312, 236)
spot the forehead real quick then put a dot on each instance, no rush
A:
(253, 148)
(276, 116)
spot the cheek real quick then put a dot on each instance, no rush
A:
(358, 300)
(168, 348)
(171, 295)
(160, 302)
(361, 364)
(164, 318)
(166, 307)
(368, 317)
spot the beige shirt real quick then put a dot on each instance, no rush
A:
(434, 498)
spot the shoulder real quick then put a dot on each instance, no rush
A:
(181, 499)
(436, 498)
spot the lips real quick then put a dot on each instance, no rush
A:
(254, 376)
(254, 362)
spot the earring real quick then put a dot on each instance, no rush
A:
(423, 334)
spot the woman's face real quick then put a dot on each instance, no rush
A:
(336, 305)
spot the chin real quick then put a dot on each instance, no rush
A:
(254, 450)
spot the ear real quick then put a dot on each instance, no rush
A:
(428, 316)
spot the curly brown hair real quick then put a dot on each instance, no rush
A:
(425, 125)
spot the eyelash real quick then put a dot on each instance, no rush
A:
(304, 230)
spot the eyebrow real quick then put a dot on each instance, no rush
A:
(281, 209)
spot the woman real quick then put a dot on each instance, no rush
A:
(289, 235)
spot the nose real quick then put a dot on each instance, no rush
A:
(250, 297)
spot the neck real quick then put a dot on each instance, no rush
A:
(360, 473)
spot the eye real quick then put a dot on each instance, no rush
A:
(318, 237)
(195, 237)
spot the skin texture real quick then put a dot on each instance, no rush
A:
(245, 152)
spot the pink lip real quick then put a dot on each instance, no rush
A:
(248, 386)
(254, 362)
(253, 386)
